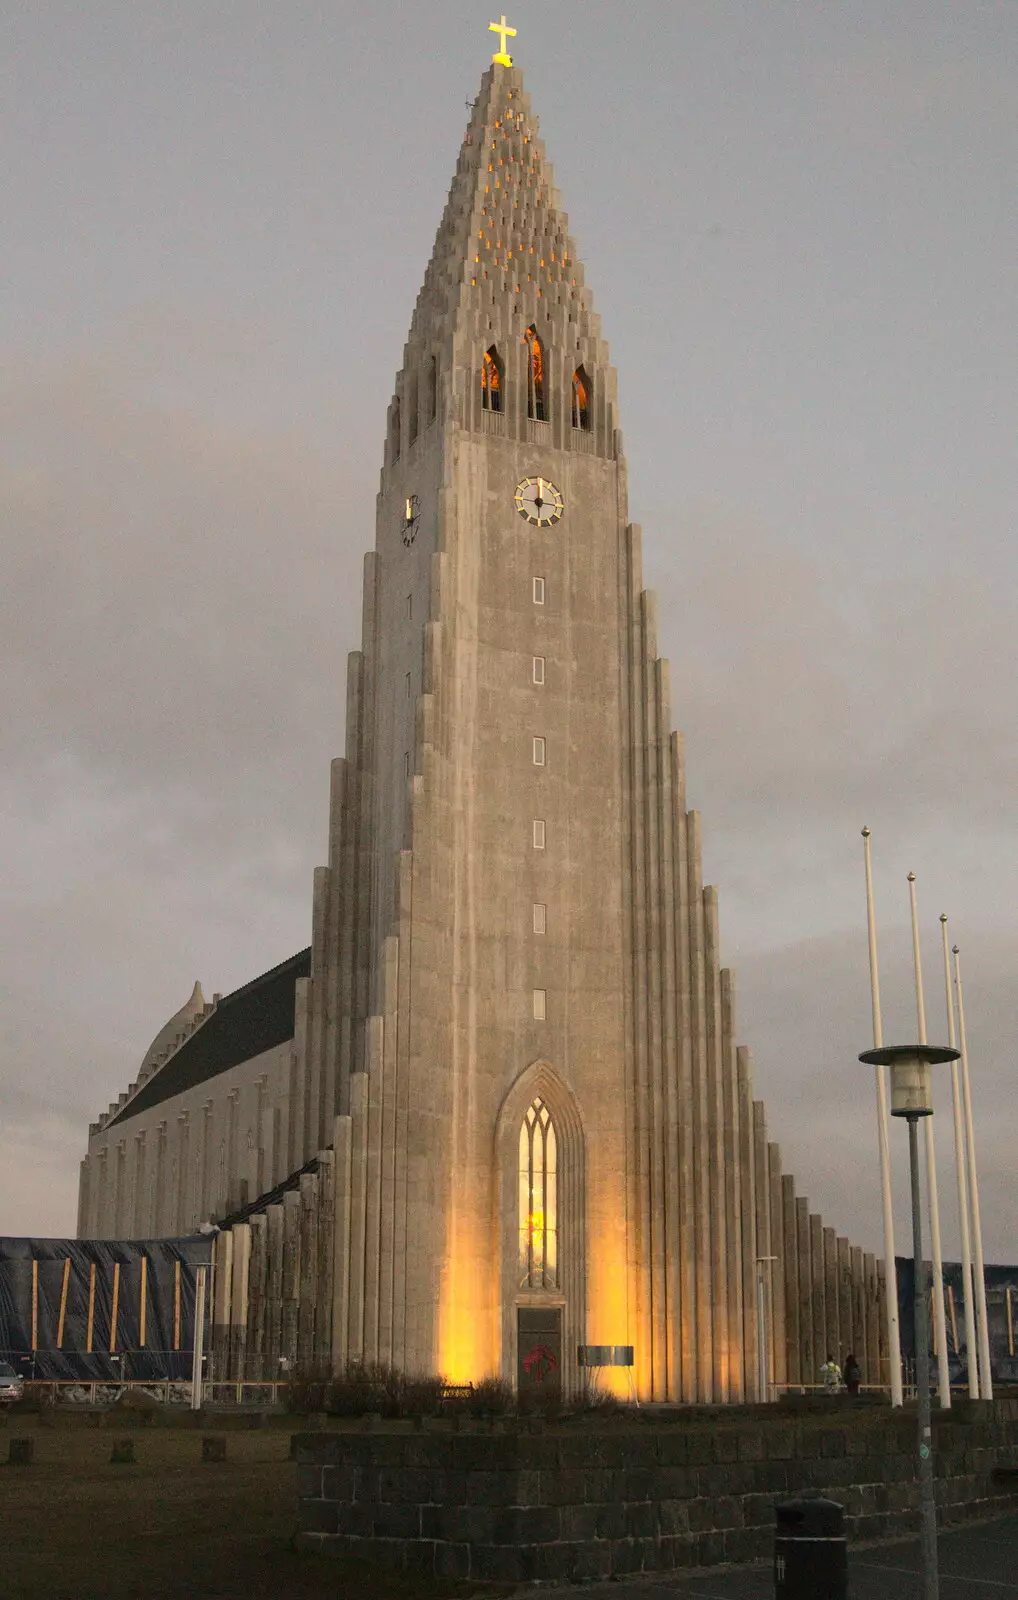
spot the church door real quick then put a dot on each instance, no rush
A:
(539, 1351)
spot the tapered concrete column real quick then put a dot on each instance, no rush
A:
(818, 1295)
(241, 1232)
(790, 1226)
(808, 1362)
(833, 1338)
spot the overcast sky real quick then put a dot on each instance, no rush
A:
(798, 222)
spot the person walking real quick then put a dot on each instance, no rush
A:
(830, 1373)
(852, 1374)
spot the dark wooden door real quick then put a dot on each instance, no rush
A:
(539, 1351)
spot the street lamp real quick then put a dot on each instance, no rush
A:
(912, 1098)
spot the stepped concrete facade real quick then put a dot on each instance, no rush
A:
(510, 1114)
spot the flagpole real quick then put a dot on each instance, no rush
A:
(971, 1348)
(939, 1319)
(985, 1374)
(891, 1273)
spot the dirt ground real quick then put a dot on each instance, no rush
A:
(73, 1526)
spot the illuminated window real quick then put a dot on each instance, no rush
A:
(538, 1205)
(535, 377)
(540, 1005)
(539, 591)
(581, 400)
(540, 919)
(538, 833)
(540, 751)
(538, 669)
(491, 380)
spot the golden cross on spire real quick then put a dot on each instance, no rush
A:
(503, 29)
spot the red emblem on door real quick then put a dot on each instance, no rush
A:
(539, 1362)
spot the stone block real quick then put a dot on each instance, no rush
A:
(711, 1548)
(758, 1510)
(451, 1560)
(747, 1544)
(318, 1448)
(751, 1444)
(611, 1520)
(309, 1482)
(592, 1561)
(771, 1477)
(626, 1557)
(677, 1483)
(123, 1452)
(397, 1522)
(354, 1519)
(597, 1485)
(578, 1522)
(420, 1556)
(21, 1452)
(474, 1452)
(832, 1442)
(639, 1483)
(700, 1449)
(493, 1488)
(728, 1511)
(673, 1449)
(400, 1485)
(503, 1563)
(780, 1444)
(673, 1516)
(318, 1516)
(700, 1513)
(726, 1446)
(525, 1525)
(641, 1519)
(337, 1483)
(444, 1487)
(563, 1487)
(213, 1447)
(714, 1480)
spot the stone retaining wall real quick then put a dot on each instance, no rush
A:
(587, 1502)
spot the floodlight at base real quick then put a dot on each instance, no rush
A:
(911, 1079)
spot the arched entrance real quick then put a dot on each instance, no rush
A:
(540, 1151)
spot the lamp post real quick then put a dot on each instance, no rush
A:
(912, 1098)
(763, 1343)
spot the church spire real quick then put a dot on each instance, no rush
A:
(504, 265)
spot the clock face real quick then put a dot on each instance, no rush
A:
(538, 500)
(411, 519)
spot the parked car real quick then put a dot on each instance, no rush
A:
(11, 1385)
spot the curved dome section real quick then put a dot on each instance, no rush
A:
(168, 1032)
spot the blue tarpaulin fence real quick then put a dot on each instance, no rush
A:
(100, 1309)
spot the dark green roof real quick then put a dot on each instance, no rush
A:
(244, 1024)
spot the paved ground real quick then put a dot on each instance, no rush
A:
(979, 1563)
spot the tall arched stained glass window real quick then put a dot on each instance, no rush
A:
(538, 1213)
(536, 408)
(491, 381)
(581, 400)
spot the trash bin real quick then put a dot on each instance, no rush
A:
(810, 1553)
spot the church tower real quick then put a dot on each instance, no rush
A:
(497, 1111)
(514, 1004)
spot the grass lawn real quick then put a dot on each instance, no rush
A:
(73, 1526)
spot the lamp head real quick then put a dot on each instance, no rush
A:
(911, 1079)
